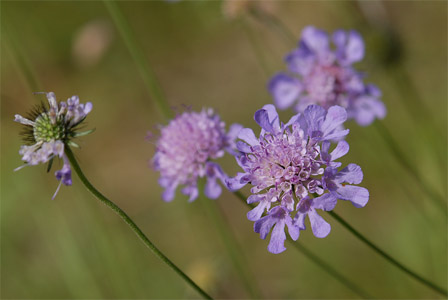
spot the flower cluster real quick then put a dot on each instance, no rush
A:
(325, 76)
(48, 130)
(185, 150)
(293, 172)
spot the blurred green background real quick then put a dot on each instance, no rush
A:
(74, 247)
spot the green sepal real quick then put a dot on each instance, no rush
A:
(76, 134)
(73, 144)
(50, 164)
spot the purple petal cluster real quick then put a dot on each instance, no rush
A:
(48, 130)
(293, 173)
(185, 150)
(322, 75)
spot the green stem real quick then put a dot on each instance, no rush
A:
(276, 24)
(233, 248)
(255, 46)
(154, 89)
(387, 256)
(409, 166)
(273, 22)
(131, 223)
(314, 258)
(22, 62)
(146, 72)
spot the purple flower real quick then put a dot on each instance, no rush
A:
(293, 173)
(325, 76)
(185, 150)
(49, 129)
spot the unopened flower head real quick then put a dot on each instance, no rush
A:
(49, 129)
(321, 75)
(185, 152)
(293, 172)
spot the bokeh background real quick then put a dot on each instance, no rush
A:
(74, 247)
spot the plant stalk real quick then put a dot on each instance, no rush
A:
(130, 223)
(387, 256)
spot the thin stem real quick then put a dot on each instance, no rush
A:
(276, 24)
(314, 258)
(233, 248)
(146, 72)
(272, 21)
(131, 223)
(330, 270)
(22, 61)
(409, 166)
(387, 256)
(255, 46)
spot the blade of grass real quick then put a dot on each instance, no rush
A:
(147, 74)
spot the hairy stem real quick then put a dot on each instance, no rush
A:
(131, 224)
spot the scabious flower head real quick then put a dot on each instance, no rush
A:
(186, 149)
(293, 172)
(323, 75)
(49, 129)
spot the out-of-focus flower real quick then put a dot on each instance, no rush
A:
(49, 129)
(91, 43)
(325, 76)
(185, 150)
(293, 173)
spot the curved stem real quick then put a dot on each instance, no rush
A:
(131, 223)
(314, 258)
(387, 256)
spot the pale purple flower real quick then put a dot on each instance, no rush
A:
(49, 129)
(293, 173)
(323, 75)
(185, 152)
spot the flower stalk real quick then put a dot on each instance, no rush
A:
(389, 258)
(233, 248)
(131, 224)
(146, 72)
(318, 261)
(271, 21)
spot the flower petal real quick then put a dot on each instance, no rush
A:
(351, 174)
(354, 51)
(311, 119)
(336, 115)
(340, 150)
(284, 89)
(237, 182)
(301, 60)
(319, 226)
(315, 39)
(212, 189)
(264, 225)
(247, 135)
(359, 196)
(325, 202)
(234, 130)
(293, 230)
(299, 220)
(256, 213)
(278, 237)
